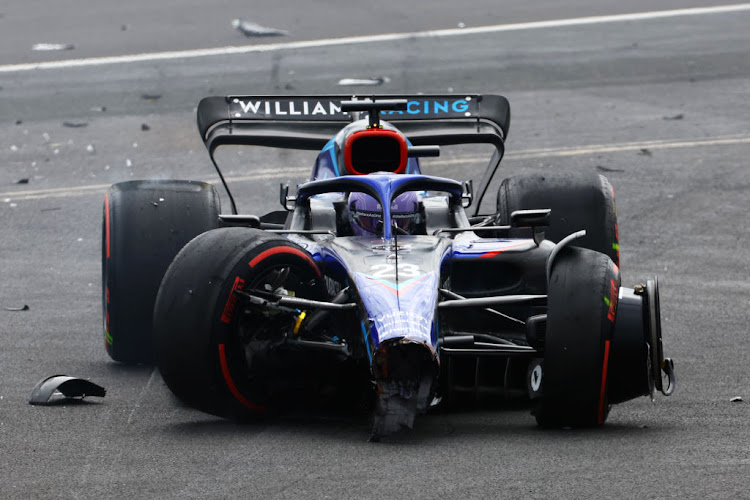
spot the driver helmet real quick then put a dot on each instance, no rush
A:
(366, 214)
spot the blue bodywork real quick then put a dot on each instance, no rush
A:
(396, 277)
(396, 280)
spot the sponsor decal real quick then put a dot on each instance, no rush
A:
(226, 315)
(280, 108)
(286, 107)
(436, 107)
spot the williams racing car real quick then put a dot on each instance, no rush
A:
(375, 286)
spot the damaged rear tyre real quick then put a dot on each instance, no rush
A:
(145, 224)
(212, 349)
(583, 294)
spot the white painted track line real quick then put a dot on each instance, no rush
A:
(65, 192)
(330, 42)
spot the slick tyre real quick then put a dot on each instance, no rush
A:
(577, 201)
(582, 308)
(145, 224)
(210, 346)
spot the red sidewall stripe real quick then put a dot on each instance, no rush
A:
(230, 383)
(107, 344)
(603, 390)
(282, 249)
(106, 222)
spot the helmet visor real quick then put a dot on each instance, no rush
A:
(368, 221)
(407, 222)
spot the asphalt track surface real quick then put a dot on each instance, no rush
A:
(658, 104)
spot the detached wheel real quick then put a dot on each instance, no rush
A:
(214, 351)
(583, 294)
(577, 202)
(145, 224)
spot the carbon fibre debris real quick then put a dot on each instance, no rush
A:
(60, 388)
(24, 307)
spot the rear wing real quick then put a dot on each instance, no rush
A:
(309, 122)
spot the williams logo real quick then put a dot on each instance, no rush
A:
(301, 109)
(285, 108)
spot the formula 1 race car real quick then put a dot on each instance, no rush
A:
(375, 285)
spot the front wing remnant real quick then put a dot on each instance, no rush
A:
(69, 387)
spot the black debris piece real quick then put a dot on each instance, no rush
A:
(18, 122)
(51, 209)
(75, 124)
(145, 127)
(99, 109)
(25, 180)
(675, 117)
(644, 152)
(736, 399)
(67, 387)
(601, 168)
(249, 28)
(151, 97)
(24, 307)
